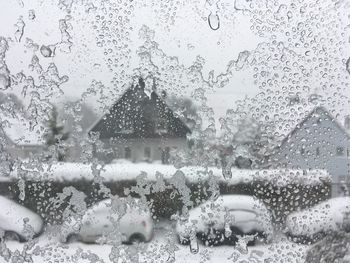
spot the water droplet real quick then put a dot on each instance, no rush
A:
(19, 29)
(226, 172)
(212, 234)
(172, 195)
(228, 231)
(214, 21)
(348, 65)
(4, 82)
(20, 2)
(31, 14)
(194, 248)
(46, 51)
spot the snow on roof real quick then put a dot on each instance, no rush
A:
(151, 172)
(319, 110)
(18, 130)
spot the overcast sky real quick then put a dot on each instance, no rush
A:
(185, 36)
(189, 36)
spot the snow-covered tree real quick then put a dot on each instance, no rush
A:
(252, 140)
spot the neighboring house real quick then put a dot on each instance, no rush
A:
(140, 127)
(19, 140)
(317, 142)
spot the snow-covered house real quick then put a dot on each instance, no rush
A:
(20, 140)
(317, 142)
(140, 127)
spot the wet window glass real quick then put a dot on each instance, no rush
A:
(174, 131)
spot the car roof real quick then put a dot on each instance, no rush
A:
(238, 202)
(106, 203)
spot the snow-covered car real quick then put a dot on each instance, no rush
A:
(225, 219)
(333, 248)
(310, 225)
(18, 222)
(125, 219)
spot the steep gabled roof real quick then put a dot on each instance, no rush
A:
(319, 110)
(137, 115)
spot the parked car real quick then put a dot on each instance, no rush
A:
(132, 217)
(18, 222)
(312, 224)
(225, 219)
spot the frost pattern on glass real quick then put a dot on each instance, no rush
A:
(301, 65)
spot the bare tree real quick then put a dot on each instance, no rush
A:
(56, 135)
(77, 116)
(184, 108)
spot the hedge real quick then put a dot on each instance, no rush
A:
(39, 195)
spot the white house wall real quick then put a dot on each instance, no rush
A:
(137, 147)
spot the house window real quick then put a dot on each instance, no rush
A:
(127, 153)
(318, 151)
(340, 151)
(147, 153)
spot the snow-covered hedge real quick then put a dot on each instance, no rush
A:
(151, 172)
(283, 191)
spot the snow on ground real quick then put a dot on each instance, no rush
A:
(130, 171)
(327, 215)
(159, 250)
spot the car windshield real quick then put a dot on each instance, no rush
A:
(192, 130)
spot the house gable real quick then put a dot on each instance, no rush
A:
(137, 115)
(317, 142)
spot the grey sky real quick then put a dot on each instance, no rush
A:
(185, 37)
(188, 37)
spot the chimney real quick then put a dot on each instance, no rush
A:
(153, 96)
(347, 122)
(141, 83)
(154, 86)
(154, 90)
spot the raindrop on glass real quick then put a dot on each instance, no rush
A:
(4, 82)
(226, 172)
(194, 248)
(46, 51)
(214, 21)
(19, 29)
(31, 14)
(172, 195)
(348, 65)
(228, 231)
